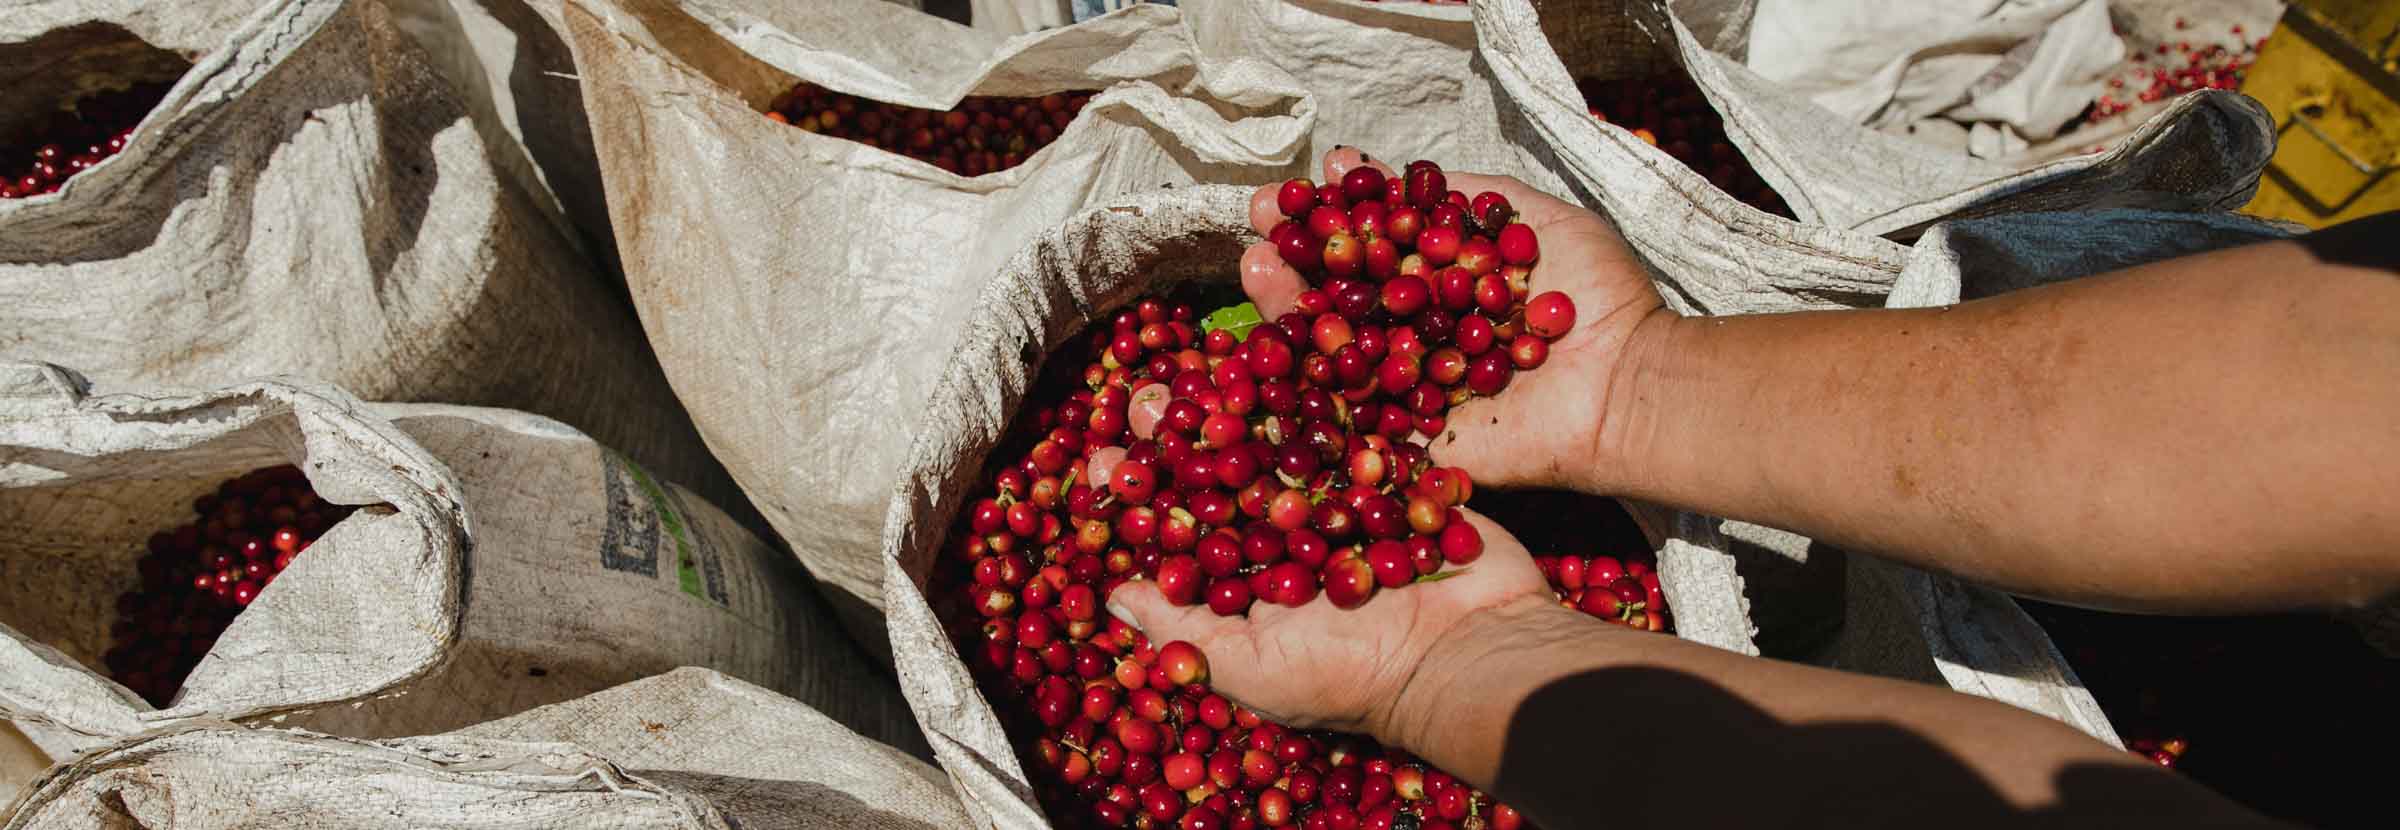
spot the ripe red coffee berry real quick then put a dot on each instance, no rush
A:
(1289, 584)
(1349, 582)
(1135, 482)
(1426, 186)
(1405, 296)
(1550, 314)
(1492, 296)
(1296, 246)
(1180, 580)
(1528, 352)
(1454, 288)
(1184, 663)
(1324, 221)
(1489, 374)
(1518, 245)
(1362, 183)
(1473, 334)
(1343, 256)
(1439, 245)
(1184, 770)
(1461, 543)
(1229, 597)
(1479, 256)
(1296, 197)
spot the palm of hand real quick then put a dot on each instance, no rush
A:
(1318, 666)
(1322, 667)
(1510, 439)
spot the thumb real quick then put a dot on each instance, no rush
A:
(1140, 605)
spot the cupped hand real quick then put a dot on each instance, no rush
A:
(1548, 428)
(1321, 667)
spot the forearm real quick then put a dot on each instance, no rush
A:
(2214, 433)
(1579, 723)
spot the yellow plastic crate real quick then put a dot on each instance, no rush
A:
(2328, 77)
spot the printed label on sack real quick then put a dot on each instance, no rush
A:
(630, 544)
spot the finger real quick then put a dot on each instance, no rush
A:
(1488, 438)
(1264, 213)
(1234, 665)
(1140, 605)
(1270, 283)
(1341, 160)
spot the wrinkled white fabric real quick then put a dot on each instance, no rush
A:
(797, 286)
(311, 197)
(2201, 152)
(2024, 66)
(688, 749)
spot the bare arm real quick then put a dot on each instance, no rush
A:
(1585, 724)
(2213, 433)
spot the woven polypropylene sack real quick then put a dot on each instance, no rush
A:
(794, 284)
(2203, 152)
(1396, 79)
(687, 749)
(498, 561)
(309, 198)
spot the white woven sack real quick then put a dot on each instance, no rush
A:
(1396, 79)
(1016, 17)
(310, 198)
(794, 284)
(501, 561)
(688, 749)
(2203, 152)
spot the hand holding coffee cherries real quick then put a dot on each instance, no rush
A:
(1547, 428)
(1320, 666)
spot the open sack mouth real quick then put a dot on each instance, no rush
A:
(983, 134)
(1150, 426)
(71, 99)
(197, 576)
(1021, 580)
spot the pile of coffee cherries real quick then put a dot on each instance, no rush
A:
(197, 577)
(981, 135)
(73, 140)
(1620, 590)
(1670, 113)
(1233, 465)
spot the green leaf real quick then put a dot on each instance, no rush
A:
(1438, 576)
(1239, 319)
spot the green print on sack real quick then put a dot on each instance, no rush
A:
(630, 543)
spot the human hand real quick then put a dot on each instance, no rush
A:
(1356, 670)
(1550, 427)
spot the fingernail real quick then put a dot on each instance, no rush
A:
(1117, 609)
